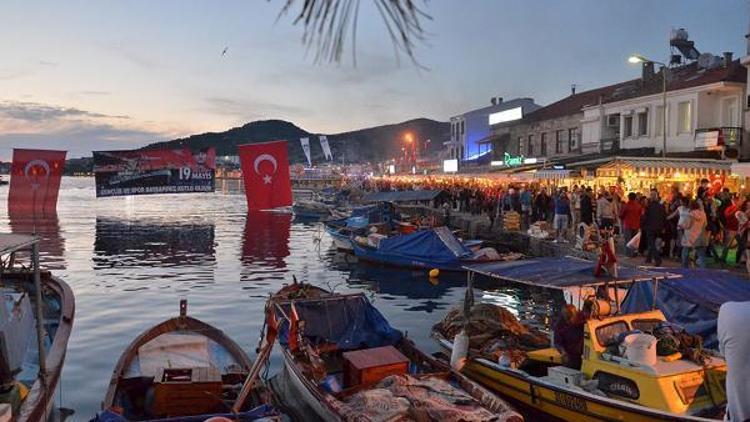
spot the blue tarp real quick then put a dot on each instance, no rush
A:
(692, 301)
(556, 272)
(403, 196)
(435, 248)
(350, 322)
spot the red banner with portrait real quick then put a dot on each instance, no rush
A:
(35, 177)
(265, 170)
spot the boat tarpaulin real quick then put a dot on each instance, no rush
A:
(402, 196)
(556, 272)
(260, 412)
(691, 301)
(350, 322)
(436, 248)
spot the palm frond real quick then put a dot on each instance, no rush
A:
(327, 24)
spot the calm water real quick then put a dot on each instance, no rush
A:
(130, 260)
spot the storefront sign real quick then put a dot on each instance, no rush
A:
(506, 116)
(513, 161)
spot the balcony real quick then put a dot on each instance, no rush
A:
(718, 138)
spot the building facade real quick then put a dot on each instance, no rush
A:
(470, 130)
(704, 111)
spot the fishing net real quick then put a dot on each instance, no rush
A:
(492, 329)
(404, 397)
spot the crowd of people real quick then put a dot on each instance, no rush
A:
(676, 225)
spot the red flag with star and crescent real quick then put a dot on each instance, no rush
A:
(265, 169)
(35, 181)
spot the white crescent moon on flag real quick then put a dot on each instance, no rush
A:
(265, 157)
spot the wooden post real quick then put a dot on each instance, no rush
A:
(39, 312)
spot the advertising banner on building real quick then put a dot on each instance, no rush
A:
(326, 147)
(306, 148)
(145, 172)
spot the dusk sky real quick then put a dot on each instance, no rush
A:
(83, 75)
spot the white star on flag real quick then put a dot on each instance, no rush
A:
(267, 179)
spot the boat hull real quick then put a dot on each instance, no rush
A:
(305, 391)
(38, 404)
(371, 254)
(557, 401)
(340, 241)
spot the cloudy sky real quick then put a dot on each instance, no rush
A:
(83, 75)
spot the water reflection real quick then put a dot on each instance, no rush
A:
(265, 241)
(52, 245)
(145, 243)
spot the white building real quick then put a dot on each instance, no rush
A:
(704, 111)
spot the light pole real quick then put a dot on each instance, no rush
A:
(637, 58)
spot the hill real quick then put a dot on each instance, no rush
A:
(371, 144)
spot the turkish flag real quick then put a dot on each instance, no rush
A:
(265, 169)
(35, 181)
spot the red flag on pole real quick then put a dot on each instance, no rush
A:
(265, 170)
(35, 181)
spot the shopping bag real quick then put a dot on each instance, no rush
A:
(635, 241)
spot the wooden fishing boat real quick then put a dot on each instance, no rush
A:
(185, 368)
(343, 361)
(37, 308)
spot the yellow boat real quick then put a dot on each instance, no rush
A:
(671, 389)
(608, 387)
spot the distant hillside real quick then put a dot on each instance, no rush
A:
(371, 144)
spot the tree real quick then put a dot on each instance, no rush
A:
(328, 22)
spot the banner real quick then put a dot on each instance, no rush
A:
(265, 170)
(306, 148)
(146, 172)
(35, 177)
(326, 147)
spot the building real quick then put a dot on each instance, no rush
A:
(704, 111)
(549, 133)
(470, 130)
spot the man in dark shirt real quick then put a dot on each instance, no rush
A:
(587, 208)
(655, 220)
(569, 336)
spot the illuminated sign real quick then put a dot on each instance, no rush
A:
(506, 116)
(392, 169)
(450, 166)
(513, 161)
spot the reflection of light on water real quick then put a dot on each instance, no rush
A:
(502, 299)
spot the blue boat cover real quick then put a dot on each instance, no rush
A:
(350, 322)
(692, 301)
(260, 412)
(556, 272)
(435, 248)
(402, 196)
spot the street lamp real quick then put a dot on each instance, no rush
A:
(637, 58)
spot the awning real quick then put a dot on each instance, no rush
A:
(552, 174)
(660, 166)
(402, 196)
(741, 169)
(557, 272)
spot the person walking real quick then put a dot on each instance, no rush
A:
(587, 207)
(562, 215)
(630, 214)
(605, 211)
(525, 200)
(694, 235)
(655, 219)
(730, 229)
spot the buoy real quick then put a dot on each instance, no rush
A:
(434, 273)
(460, 350)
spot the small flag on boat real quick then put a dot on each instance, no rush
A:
(35, 177)
(265, 170)
(293, 323)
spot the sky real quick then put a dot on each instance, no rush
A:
(98, 75)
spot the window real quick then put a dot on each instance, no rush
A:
(572, 139)
(462, 127)
(643, 123)
(530, 146)
(543, 146)
(659, 120)
(559, 141)
(520, 145)
(684, 117)
(729, 106)
(606, 335)
(627, 124)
